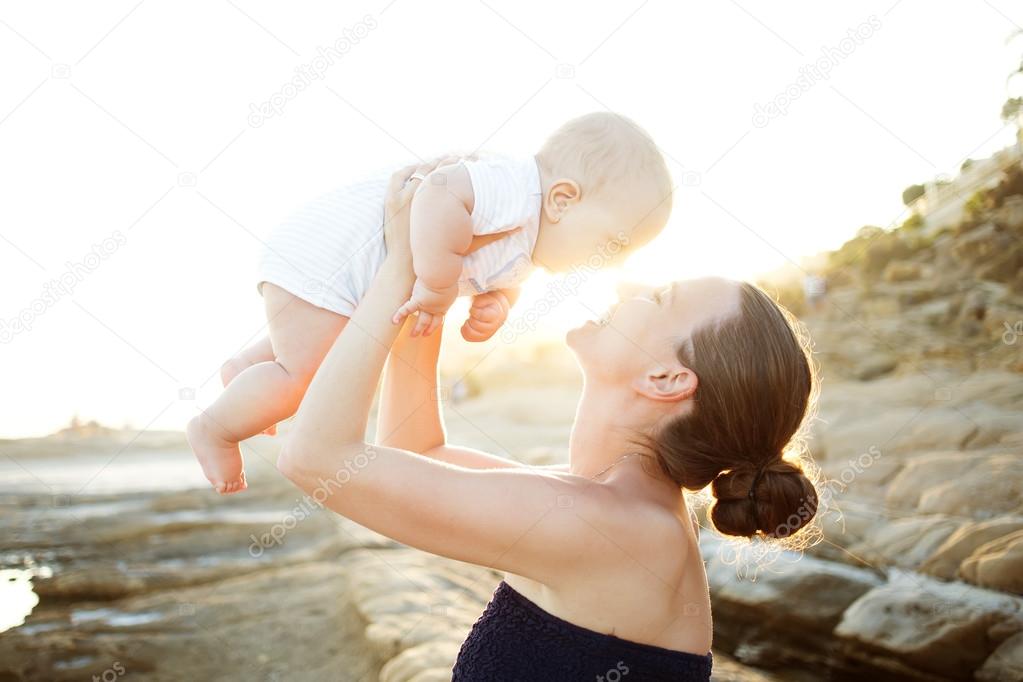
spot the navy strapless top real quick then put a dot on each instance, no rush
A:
(517, 641)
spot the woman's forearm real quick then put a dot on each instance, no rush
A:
(335, 410)
(409, 416)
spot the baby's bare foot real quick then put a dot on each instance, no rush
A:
(221, 460)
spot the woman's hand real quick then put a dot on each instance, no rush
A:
(398, 204)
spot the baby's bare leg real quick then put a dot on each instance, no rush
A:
(260, 351)
(266, 392)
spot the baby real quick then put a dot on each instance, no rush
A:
(478, 228)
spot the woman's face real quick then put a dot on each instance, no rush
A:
(641, 333)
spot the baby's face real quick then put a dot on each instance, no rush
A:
(596, 234)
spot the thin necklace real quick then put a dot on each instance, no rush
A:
(616, 463)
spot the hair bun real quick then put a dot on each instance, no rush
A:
(782, 501)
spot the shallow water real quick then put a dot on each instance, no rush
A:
(113, 617)
(95, 474)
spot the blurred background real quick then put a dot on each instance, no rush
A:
(862, 162)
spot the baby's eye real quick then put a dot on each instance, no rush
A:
(657, 297)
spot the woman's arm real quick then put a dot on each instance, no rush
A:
(515, 519)
(441, 234)
(410, 414)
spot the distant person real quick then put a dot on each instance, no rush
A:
(814, 289)
(705, 382)
(478, 229)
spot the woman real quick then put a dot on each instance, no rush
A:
(703, 382)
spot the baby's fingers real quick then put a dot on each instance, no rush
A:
(435, 324)
(406, 309)
(475, 331)
(488, 312)
(423, 321)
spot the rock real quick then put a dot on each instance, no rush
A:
(897, 430)
(875, 366)
(935, 313)
(859, 478)
(1005, 664)
(902, 271)
(994, 426)
(948, 629)
(1005, 267)
(977, 484)
(261, 626)
(945, 561)
(420, 663)
(410, 599)
(776, 614)
(997, 565)
(906, 542)
(923, 472)
(994, 486)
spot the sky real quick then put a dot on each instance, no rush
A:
(147, 147)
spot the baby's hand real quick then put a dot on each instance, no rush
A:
(431, 305)
(487, 313)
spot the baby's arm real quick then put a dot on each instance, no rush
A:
(441, 234)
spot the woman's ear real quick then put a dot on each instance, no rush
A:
(668, 384)
(561, 195)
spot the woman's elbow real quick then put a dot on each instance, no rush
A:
(289, 464)
(302, 461)
(297, 459)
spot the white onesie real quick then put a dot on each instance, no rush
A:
(328, 252)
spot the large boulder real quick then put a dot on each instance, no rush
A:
(780, 605)
(923, 472)
(948, 629)
(945, 561)
(994, 486)
(997, 564)
(977, 484)
(906, 542)
(899, 430)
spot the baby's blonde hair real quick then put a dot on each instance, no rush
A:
(608, 155)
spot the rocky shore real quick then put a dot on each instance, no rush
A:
(185, 585)
(919, 575)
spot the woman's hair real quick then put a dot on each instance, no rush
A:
(756, 385)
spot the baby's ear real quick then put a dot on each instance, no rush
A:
(563, 193)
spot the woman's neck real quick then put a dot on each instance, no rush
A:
(604, 431)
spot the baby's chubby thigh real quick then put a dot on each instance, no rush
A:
(300, 332)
